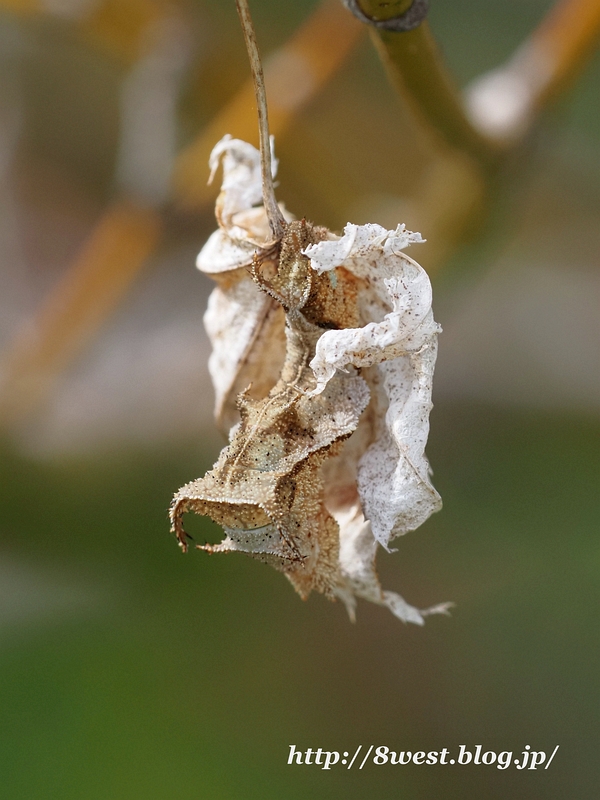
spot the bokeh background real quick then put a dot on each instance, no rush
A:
(130, 671)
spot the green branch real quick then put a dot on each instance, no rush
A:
(416, 69)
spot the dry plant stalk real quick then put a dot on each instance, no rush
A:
(323, 354)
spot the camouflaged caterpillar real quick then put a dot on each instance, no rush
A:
(323, 354)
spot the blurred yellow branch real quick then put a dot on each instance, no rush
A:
(21, 6)
(293, 75)
(117, 26)
(69, 317)
(121, 27)
(505, 102)
(127, 233)
(568, 36)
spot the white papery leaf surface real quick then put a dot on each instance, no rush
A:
(393, 475)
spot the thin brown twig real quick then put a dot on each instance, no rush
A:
(276, 220)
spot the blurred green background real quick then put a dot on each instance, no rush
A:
(130, 671)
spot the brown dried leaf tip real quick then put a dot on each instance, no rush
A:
(323, 355)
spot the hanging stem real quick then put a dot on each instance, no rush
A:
(276, 220)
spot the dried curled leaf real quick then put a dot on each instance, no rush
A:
(323, 357)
